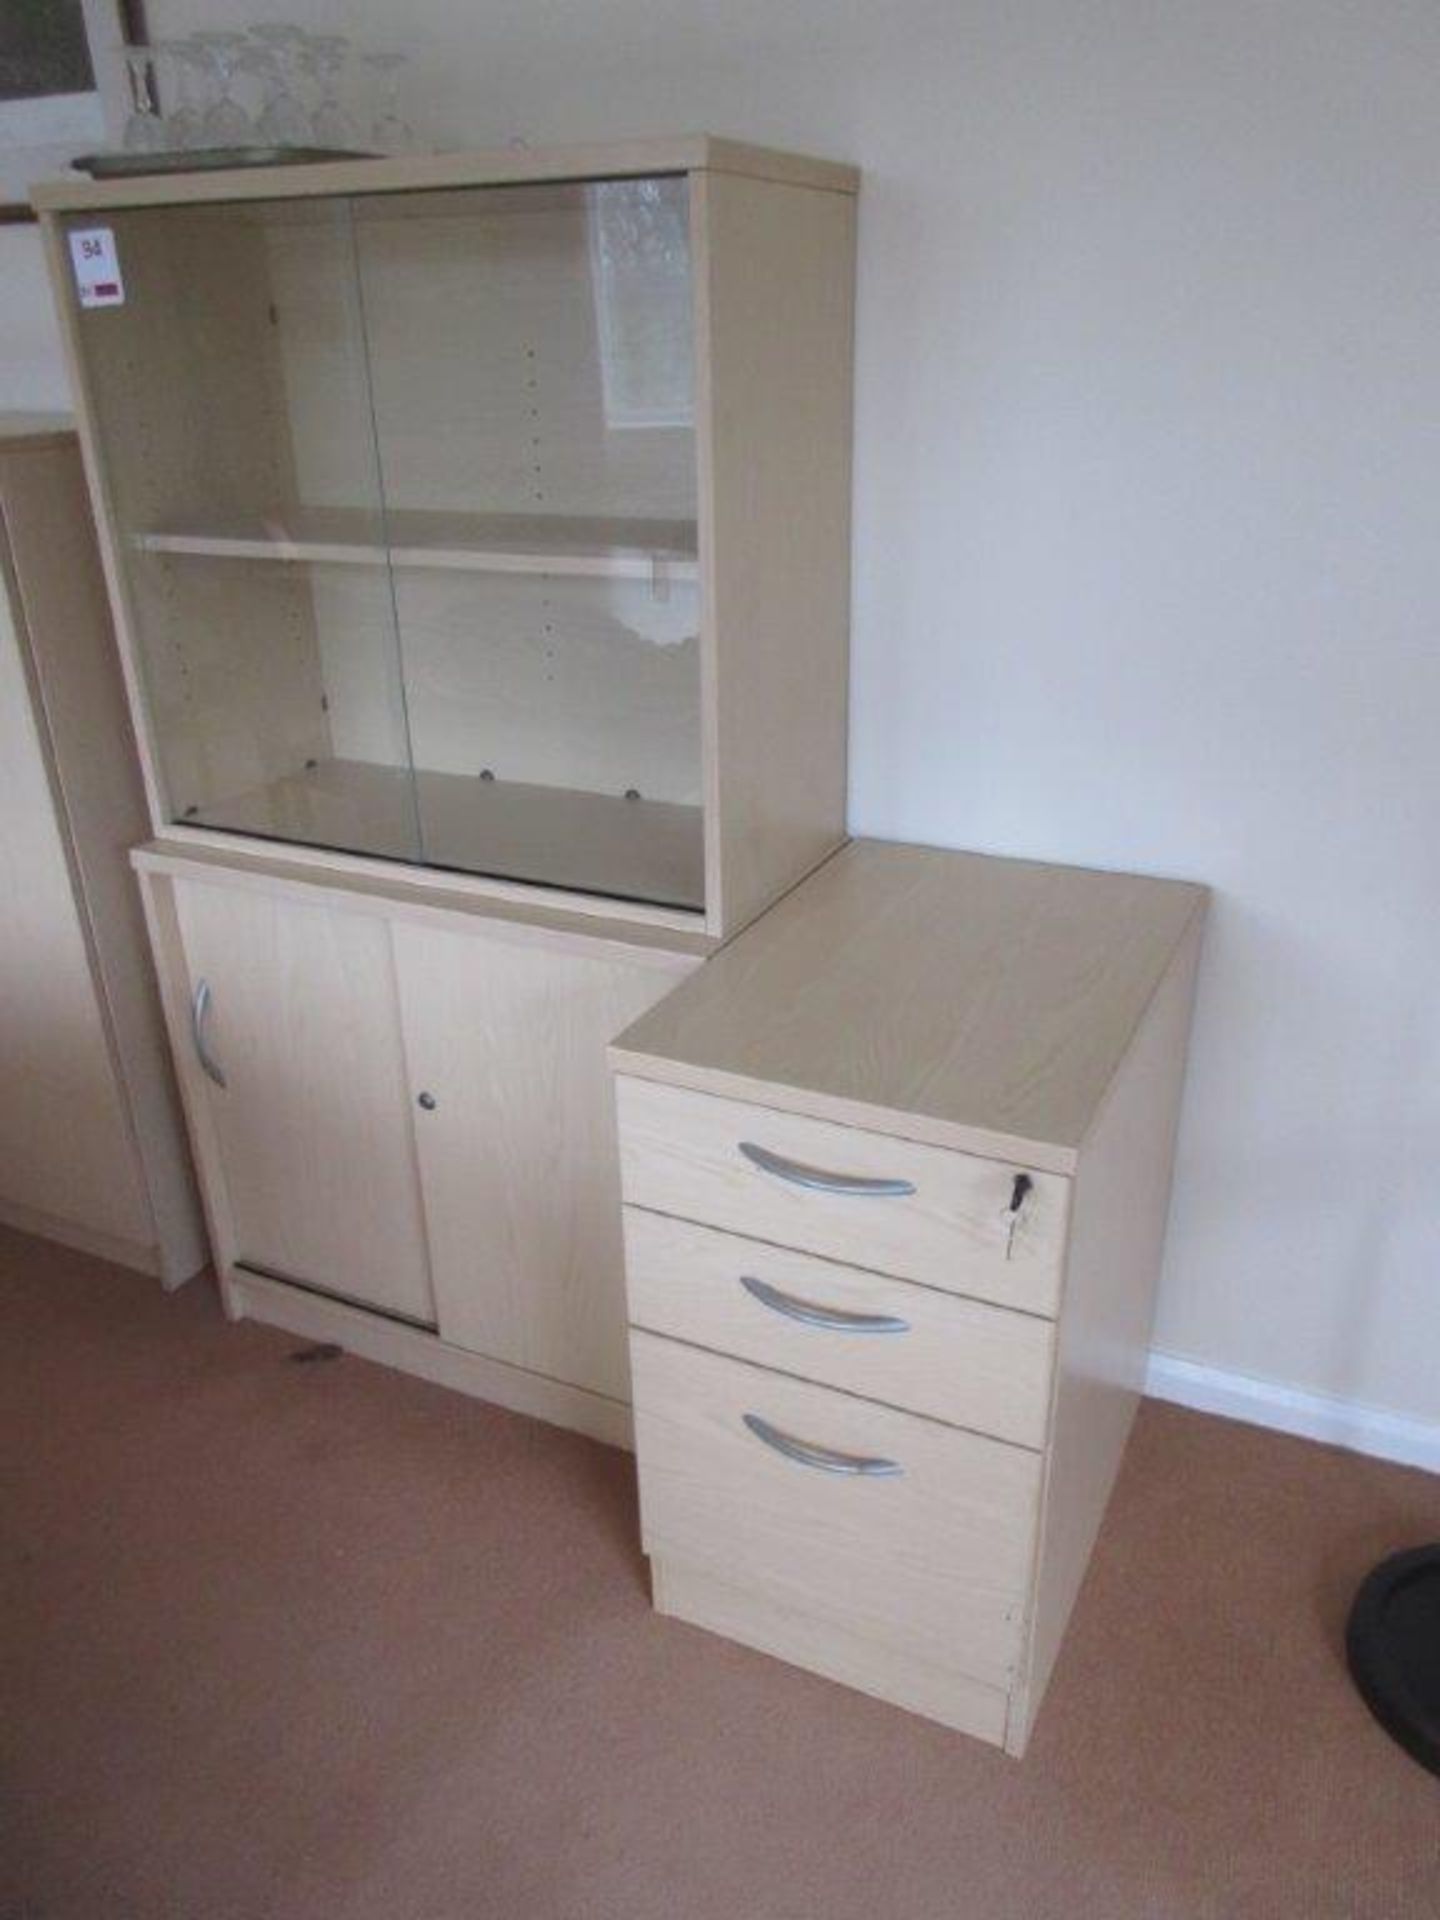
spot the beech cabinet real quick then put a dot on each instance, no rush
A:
(477, 532)
(410, 1116)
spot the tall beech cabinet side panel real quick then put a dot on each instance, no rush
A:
(64, 1138)
(296, 1037)
(92, 1150)
(505, 1037)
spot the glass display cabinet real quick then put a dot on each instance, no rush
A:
(484, 514)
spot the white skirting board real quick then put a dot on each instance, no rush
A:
(105, 1246)
(1313, 1416)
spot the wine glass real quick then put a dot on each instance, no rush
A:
(189, 69)
(391, 134)
(282, 120)
(144, 129)
(333, 125)
(226, 123)
(280, 54)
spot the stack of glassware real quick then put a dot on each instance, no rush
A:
(273, 86)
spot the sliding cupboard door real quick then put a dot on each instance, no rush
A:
(296, 1042)
(505, 1034)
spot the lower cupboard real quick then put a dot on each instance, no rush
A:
(404, 1127)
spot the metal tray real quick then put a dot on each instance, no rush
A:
(130, 166)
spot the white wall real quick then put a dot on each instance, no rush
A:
(32, 370)
(1147, 529)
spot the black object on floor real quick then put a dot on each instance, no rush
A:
(1393, 1646)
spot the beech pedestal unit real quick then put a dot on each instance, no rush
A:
(896, 1167)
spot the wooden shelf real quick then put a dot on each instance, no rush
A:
(648, 850)
(449, 542)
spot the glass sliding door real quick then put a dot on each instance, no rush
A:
(405, 491)
(532, 381)
(230, 387)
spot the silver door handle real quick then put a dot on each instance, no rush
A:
(800, 1175)
(832, 1319)
(199, 1014)
(823, 1459)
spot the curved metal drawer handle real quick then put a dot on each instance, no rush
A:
(199, 1014)
(823, 1459)
(800, 1175)
(832, 1319)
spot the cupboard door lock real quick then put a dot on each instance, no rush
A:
(427, 1101)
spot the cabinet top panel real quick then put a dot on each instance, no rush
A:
(966, 1000)
(424, 899)
(408, 173)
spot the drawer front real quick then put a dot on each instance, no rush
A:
(932, 1557)
(913, 1347)
(682, 1154)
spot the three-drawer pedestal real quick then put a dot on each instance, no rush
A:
(896, 1166)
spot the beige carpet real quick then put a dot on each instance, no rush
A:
(319, 1642)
